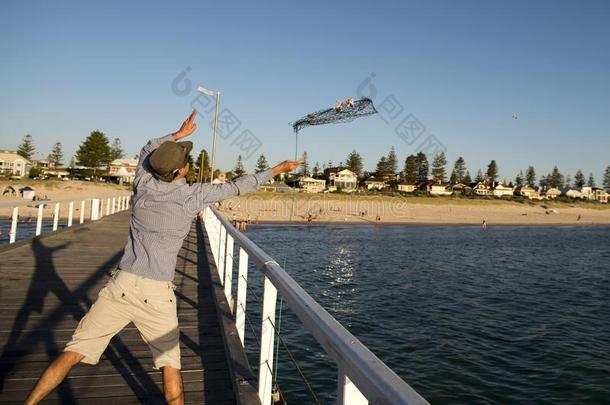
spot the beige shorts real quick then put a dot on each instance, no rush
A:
(149, 304)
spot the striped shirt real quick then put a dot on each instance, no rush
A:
(162, 214)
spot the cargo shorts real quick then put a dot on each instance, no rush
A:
(149, 304)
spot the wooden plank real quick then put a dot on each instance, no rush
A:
(47, 285)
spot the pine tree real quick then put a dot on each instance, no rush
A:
(519, 179)
(438, 167)
(354, 162)
(591, 181)
(239, 167)
(568, 183)
(606, 181)
(94, 151)
(530, 176)
(27, 148)
(479, 177)
(555, 179)
(392, 161)
(544, 182)
(579, 179)
(410, 171)
(382, 167)
(467, 179)
(492, 171)
(305, 165)
(316, 170)
(56, 157)
(116, 150)
(422, 167)
(203, 166)
(261, 164)
(459, 171)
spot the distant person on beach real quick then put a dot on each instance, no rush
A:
(140, 290)
(484, 225)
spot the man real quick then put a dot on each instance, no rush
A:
(141, 289)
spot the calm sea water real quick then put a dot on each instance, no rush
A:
(506, 315)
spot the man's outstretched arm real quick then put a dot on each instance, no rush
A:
(206, 194)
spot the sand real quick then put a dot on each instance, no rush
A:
(267, 208)
(59, 191)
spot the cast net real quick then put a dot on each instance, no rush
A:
(344, 111)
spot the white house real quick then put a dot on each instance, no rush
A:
(529, 192)
(573, 194)
(553, 193)
(124, 170)
(500, 190)
(407, 188)
(440, 189)
(13, 164)
(311, 185)
(601, 195)
(344, 179)
(482, 188)
(373, 183)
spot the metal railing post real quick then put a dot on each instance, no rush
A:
(13, 231)
(56, 217)
(228, 269)
(39, 219)
(95, 209)
(265, 368)
(70, 210)
(112, 208)
(242, 289)
(221, 254)
(107, 206)
(82, 211)
(347, 392)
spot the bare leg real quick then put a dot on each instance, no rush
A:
(53, 376)
(172, 386)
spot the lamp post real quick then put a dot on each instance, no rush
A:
(216, 94)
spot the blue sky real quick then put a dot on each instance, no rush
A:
(461, 68)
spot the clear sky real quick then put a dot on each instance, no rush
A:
(461, 68)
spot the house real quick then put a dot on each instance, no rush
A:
(553, 193)
(587, 193)
(311, 185)
(13, 164)
(459, 188)
(440, 189)
(528, 192)
(500, 190)
(344, 179)
(407, 188)
(122, 170)
(573, 194)
(601, 195)
(482, 188)
(276, 187)
(375, 183)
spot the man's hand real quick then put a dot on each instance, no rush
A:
(286, 166)
(187, 128)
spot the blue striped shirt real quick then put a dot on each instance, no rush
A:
(162, 214)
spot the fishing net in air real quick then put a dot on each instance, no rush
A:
(344, 111)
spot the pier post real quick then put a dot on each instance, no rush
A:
(242, 288)
(95, 209)
(55, 217)
(39, 219)
(229, 272)
(13, 231)
(70, 210)
(82, 211)
(265, 367)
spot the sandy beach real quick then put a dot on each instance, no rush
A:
(332, 208)
(63, 191)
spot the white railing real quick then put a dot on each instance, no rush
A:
(362, 376)
(96, 211)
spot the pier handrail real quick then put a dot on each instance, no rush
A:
(97, 205)
(362, 376)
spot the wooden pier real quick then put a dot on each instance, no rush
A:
(48, 283)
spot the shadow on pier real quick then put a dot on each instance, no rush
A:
(48, 284)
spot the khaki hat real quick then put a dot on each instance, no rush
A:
(168, 158)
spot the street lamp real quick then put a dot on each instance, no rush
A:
(216, 94)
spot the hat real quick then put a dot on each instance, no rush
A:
(169, 157)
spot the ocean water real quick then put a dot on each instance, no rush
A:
(463, 315)
(26, 229)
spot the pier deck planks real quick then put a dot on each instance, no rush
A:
(47, 285)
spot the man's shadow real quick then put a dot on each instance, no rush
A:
(23, 342)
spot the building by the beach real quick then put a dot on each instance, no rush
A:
(122, 170)
(13, 164)
(311, 185)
